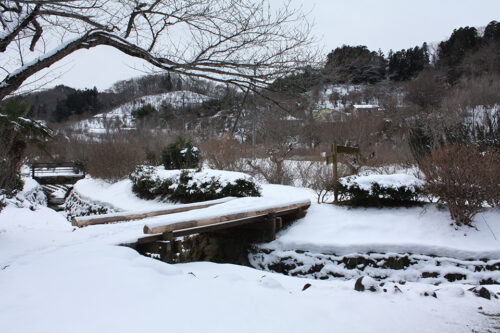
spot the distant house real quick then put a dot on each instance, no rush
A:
(326, 115)
(366, 107)
(323, 114)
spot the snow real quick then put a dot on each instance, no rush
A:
(55, 278)
(340, 230)
(391, 180)
(144, 211)
(118, 195)
(204, 175)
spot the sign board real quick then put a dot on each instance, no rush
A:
(333, 160)
(347, 150)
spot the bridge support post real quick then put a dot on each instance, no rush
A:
(270, 227)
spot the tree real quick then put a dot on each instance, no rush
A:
(243, 43)
(452, 52)
(492, 32)
(16, 133)
(355, 64)
(406, 64)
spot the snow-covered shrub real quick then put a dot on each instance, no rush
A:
(32, 192)
(190, 185)
(77, 205)
(181, 155)
(380, 190)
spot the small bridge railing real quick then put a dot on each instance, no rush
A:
(58, 172)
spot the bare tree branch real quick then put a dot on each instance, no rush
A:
(243, 43)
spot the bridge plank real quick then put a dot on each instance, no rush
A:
(279, 211)
(84, 221)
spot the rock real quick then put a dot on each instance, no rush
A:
(358, 286)
(397, 262)
(306, 286)
(426, 275)
(482, 292)
(316, 268)
(433, 294)
(365, 283)
(452, 277)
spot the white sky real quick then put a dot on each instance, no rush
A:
(383, 24)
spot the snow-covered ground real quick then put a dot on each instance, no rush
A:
(340, 230)
(55, 278)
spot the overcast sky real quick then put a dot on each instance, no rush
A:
(384, 24)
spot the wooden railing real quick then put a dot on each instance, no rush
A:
(58, 170)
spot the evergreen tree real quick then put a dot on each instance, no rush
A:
(355, 64)
(492, 32)
(406, 64)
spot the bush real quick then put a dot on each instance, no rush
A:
(463, 178)
(143, 111)
(378, 195)
(224, 153)
(181, 155)
(186, 187)
(111, 156)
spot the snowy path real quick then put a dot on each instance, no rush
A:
(54, 278)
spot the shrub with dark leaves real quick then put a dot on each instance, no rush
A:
(181, 155)
(379, 196)
(185, 188)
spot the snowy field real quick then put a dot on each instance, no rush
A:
(56, 278)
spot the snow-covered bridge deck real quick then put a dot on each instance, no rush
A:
(206, 217)
(57, 173)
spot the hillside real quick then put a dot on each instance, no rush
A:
(122, 118)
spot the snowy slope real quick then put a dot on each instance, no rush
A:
(122, 116)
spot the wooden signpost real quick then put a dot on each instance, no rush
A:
(333, 159)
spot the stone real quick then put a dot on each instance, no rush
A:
(358, 286)
(306, 286)
(482, 292)
(365, 283)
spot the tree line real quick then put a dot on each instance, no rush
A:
(465, 52)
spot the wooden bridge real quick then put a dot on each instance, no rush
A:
(58, 172)
(57, 179)
(250, 225)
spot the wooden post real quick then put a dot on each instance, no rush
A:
(335, 171)
(270, 227)
(279, 223)
(333, 159)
